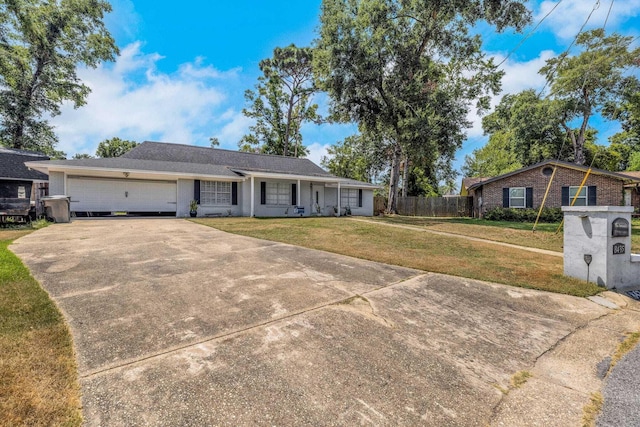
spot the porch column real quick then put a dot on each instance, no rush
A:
(338, 198)
(253, 197)
(298, 194)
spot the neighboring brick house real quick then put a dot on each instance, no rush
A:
(633, 190)
(525, 188)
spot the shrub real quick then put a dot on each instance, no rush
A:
(523, 215)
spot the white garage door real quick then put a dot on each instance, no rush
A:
(121, 195)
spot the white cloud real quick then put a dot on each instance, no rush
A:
(237, 125)
(317, 151)
(132, 100)
(518, 76)
(565, 21)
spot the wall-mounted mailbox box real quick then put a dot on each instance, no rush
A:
(619, 227)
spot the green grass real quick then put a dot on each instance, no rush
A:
(517, 233)
(38, 374)
(408, 248)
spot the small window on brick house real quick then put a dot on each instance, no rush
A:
(586, 196)
(517, 197)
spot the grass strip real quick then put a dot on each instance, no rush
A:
(38, 373)
(408, 248)
(591, 411)
(625, 347)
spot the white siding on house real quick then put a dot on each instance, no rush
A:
(244, 197)
(56, 184)
(185, 195)
(331, 201)
(268, 210)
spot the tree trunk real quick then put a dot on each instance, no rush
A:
(405, 177)
(392, 206)
(287, 134)
(578, 144)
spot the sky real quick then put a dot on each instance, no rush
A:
(183, 68)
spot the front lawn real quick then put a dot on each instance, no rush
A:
(517, 233)
(38, 376)
(408, 248)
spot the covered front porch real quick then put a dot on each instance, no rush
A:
(270, 195)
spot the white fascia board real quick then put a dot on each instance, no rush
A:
(331, 181)
(286, 176)
(177, 175)
(22, 179)
(37, 167)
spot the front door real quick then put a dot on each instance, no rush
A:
(317, 200)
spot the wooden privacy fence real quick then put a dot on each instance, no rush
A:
(456, 206)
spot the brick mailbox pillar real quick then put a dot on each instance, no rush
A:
(597, 246)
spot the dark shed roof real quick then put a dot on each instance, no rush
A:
(236, 160)
(12, 165)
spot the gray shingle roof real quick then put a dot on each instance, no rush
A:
(126, 164)
(617, 175)
(12, 164)
(235, 160)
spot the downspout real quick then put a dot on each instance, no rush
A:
(253, 197)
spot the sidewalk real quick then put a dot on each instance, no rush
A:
(460, 236)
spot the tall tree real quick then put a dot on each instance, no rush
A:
(406, 70)
(590, 81)
(281, 103)
(628, 113)
(114, 147)
(529, 126)
(41, 44)
(495, 158)
(357, 157)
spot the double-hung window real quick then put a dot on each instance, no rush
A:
(278, 193)
(580, 196)
(517, 197)
(215, 193)
(349, 197)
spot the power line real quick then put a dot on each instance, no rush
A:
(608, 13)
(566, 52)
(529, 34)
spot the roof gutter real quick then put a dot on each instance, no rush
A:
(60, 168)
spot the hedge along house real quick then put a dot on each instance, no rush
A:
(526, 187)
(161, 179)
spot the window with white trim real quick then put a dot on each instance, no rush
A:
(349, 197)
(581, 200)
(215, 193)
(517, 197)
(278, 193)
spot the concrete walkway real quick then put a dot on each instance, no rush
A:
(177, 324)
(460, 236)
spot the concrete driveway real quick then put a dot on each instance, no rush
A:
(178, 324)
